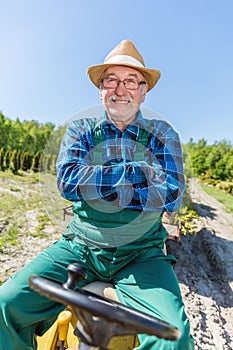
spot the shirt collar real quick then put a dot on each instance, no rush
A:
(138, 122)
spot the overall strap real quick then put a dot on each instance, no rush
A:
(98, 135)
(98, 139)
(141, 143)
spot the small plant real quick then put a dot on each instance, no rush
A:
(186, 216)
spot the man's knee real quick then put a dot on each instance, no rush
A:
(186, 342)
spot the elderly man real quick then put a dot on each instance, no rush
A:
(122, 172)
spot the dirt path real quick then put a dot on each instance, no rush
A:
(205, 274)
(203, 268)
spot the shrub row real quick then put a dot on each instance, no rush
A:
(16, 160)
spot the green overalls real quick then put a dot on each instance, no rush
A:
(122, 247)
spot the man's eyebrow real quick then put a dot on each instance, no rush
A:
(130, 75)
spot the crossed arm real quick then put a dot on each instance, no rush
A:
(154, 184)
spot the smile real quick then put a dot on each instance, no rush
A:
(120, 101)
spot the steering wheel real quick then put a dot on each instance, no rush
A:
(96, 312)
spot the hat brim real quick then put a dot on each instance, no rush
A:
(95, 73)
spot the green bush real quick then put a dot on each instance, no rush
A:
(36, 162)
(14, 163)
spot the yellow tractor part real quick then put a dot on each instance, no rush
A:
(51, 340)
(63, 328)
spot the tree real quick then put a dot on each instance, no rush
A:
(36, 162)
(198, 153)
(14, 164)
(30, 136)
(216, 159)
(26, 161)
(228, 159)
(7, 159)
(2, 168)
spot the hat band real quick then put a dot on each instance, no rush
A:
(124, 59)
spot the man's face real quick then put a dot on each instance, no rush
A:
(120, 102)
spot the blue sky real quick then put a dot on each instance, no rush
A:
(46, 46)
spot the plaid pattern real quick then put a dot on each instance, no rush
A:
(153, 183)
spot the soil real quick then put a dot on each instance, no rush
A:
(204, 269)
(205, 274)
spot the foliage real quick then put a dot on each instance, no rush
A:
(2, 167)
(186, 215)
(26, 161)
(197, 153)
(7, 158)
(27, 136)
(212, 163)
(36, 162)
(14, 162)
(24, 145)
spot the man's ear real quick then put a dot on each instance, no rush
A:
(144, 92)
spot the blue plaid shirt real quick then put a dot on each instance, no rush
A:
(153, 183)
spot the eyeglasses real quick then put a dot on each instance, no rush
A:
(129, 84)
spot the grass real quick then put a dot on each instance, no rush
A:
(27, 200)
(223, 197)
(21, 177)
(9, 237)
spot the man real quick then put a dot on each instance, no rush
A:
(122, 172)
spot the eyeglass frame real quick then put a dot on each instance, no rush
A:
(140, 83)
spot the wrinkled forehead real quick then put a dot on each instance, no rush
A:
(122, 71)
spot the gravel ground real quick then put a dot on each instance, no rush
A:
(203, 269)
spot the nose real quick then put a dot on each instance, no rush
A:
(120, 89)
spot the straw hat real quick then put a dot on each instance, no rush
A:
(124, 54)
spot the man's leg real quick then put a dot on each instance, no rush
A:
(150, 285)
(23, 312)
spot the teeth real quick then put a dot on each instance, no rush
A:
(119, 101)
(116, 99)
